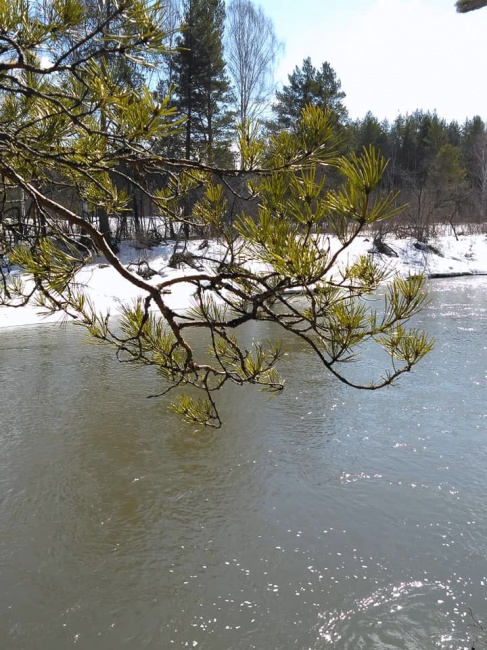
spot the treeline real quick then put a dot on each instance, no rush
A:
(439, 167)
(221, 75)
(216, 84)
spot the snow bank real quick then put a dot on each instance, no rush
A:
(450, 257)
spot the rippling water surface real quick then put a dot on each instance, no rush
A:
(327, 518)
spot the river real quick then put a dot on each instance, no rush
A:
(325, 518)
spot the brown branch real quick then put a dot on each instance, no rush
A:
(112, 259)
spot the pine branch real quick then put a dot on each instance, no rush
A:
(464, 6)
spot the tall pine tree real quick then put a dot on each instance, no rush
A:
(202, 89)
(308, 85)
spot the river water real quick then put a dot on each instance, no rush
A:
(325, 518)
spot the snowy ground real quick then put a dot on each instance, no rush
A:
(465, 255)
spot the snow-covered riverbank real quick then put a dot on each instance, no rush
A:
(448, 257)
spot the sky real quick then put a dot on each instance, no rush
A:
(392, 56)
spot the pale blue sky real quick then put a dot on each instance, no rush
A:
(391, 55)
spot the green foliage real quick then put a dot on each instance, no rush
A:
(439, 167)
(308, 85)
(447, 170)
(201, 87)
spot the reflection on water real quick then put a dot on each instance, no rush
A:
(325, 518)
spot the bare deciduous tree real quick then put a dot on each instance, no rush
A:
(251, 50)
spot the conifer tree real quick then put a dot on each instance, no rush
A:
(202, 89)
(309, 85)
(474, 150)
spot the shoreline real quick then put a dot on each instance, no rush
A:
(451, 258)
